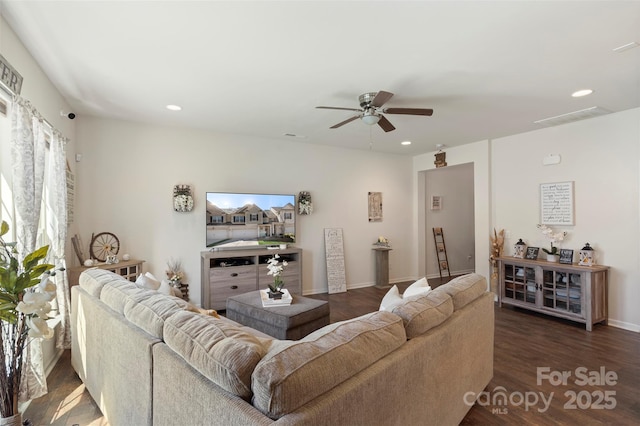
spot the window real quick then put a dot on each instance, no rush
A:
(288, 216)
(253, 217)
(6, 198)
(216, 219)
(239, 219)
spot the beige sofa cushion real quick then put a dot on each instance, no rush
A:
(423, 312)
(219, 350)
(118, 292)
(150, 314)
(295, 372)
(92, 280)
(464, 289)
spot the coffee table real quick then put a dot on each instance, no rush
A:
(291, 322)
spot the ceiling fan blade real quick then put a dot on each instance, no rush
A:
(342, 123)
(409, 111)
(341, 108)
(385, 124)
(381, 98)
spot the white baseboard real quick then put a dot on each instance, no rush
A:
(624, 325)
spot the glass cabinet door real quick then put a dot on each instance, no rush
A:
(562, 291)
(520, 283)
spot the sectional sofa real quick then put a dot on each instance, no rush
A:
(151, 359)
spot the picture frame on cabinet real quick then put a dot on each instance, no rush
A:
(532, 253)
(566, 256)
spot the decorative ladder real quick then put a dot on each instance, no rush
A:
(441, 251)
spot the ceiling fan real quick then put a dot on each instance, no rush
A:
(371, 110)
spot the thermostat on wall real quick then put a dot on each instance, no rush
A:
(551, 159)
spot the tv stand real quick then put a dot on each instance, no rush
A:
(232, 272)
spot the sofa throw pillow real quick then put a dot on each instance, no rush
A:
(293, 373)
(419, 287)
(168, 290)
(391, 299)
(148, 281)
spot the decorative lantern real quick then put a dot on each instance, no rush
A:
(182, 198)
(586, 256)
(519, 249)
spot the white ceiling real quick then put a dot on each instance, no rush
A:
(487, 68)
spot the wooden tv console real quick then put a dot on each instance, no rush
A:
(228, 273)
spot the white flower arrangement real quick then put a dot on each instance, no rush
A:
(553, 237)
(36, 306)
(174, 271)
(276, 268)
(25, 302)
(382, 241)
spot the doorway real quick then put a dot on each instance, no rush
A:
(449, 204)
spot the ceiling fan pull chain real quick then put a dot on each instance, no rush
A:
(370, 138)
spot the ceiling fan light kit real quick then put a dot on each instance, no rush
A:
(370, 111)
(370, 118)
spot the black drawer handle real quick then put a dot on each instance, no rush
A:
(235, 274)
(234, 287)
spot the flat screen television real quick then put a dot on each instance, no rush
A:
(238, 220)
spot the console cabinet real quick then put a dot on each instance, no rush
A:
(227, 273)
(129, 269)
(577, 293)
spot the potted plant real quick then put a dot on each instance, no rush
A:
(275, 269)
(554, 237)
(25, 296)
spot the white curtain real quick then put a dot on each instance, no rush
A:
(28, 148)
(28, 151)
(57, 230)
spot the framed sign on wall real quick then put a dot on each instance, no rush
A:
(556, 203)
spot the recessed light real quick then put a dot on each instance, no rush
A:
(405, 143)
(581, 93)
(174, 107)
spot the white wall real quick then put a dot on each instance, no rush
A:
(601, 156)
(127, 173)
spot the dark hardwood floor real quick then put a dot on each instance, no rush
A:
(524, 343)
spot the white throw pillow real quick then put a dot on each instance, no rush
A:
(391, 299)
(148, 281)
(419, 287)
(165, 288)
(168, 290)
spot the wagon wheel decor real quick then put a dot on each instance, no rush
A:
(102, 245)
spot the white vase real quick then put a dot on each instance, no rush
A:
(15, 420)
(552, 258)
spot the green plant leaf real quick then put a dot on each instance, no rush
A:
(4, 228)
(32, 259)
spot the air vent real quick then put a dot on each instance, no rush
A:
(573, 116)
(3, 108)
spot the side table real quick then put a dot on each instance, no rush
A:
(184, 289)
(382, 266)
